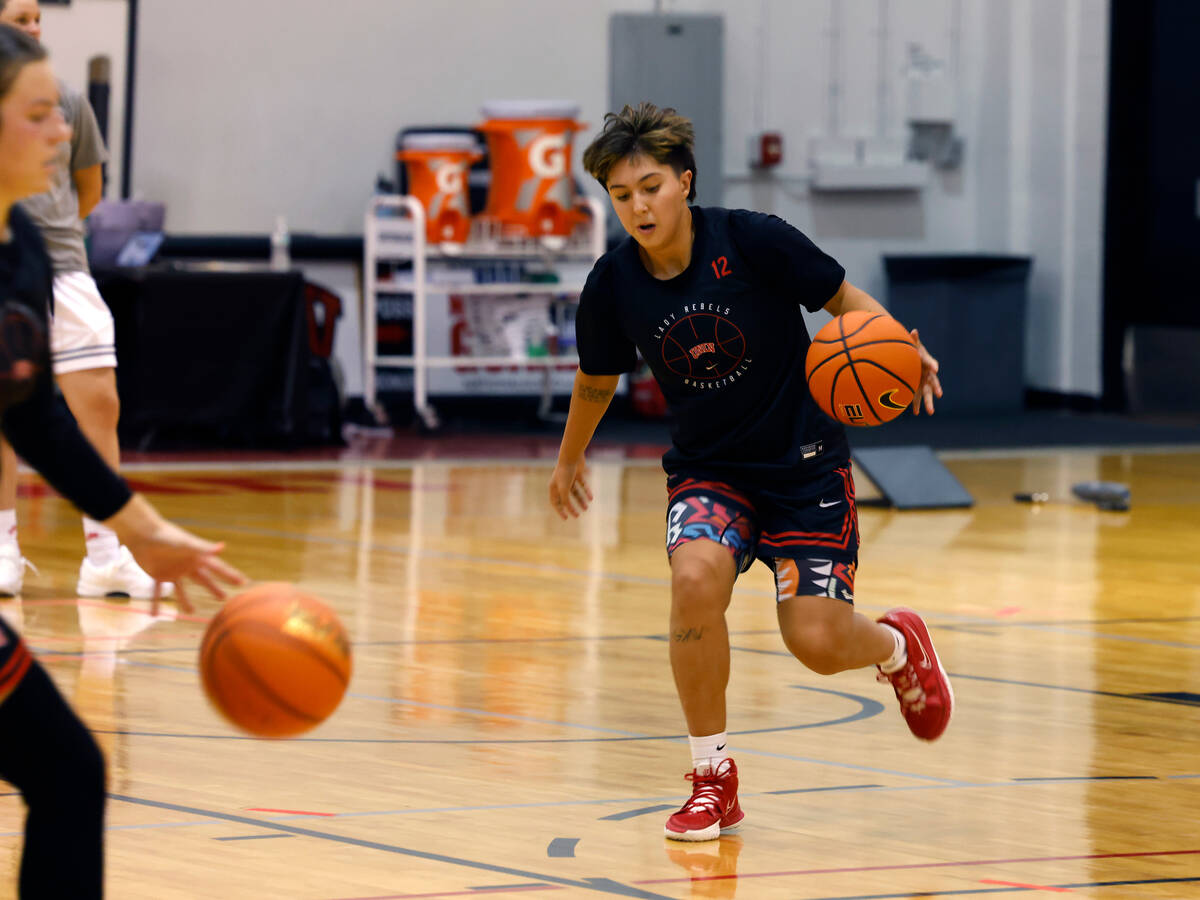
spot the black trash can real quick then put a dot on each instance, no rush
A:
(970, 311)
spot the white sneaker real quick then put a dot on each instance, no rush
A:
(122, 577)
(12, 570)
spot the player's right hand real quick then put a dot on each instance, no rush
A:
(568, 488)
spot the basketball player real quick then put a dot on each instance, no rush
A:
(45, 751)
(82, 342)
(712, 298)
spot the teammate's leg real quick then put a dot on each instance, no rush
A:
(92, 397)
(82, 337)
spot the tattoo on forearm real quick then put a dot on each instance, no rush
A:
(684, 635)
(594, 395)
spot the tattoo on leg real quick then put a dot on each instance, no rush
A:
(690, 634)
(594, 395)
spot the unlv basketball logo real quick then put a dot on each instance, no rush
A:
(703, 347)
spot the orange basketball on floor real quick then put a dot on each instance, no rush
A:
(863, 368)
(275, 661)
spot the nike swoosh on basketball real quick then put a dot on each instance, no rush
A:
(825, 505)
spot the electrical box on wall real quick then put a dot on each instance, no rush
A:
(864, 164)
(765, 149)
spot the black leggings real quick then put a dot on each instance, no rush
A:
(52, 759)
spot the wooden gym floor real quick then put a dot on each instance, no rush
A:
(511, 726)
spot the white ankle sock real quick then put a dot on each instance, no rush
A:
(707, 752)
(899, 656)
(102, 543)
(8, 526)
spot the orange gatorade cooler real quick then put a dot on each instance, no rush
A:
(437, 163)
(532, 192)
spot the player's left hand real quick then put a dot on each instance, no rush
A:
(930, 385)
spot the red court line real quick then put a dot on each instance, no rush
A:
(290, 812)
(1030, 887)
(935, 865)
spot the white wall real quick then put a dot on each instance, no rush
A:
(247, 110)
(76, 33)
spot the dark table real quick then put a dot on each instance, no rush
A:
(210, 357)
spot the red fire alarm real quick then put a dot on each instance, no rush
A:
(766, 149)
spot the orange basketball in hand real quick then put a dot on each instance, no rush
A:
(863, 368)
(275, 661)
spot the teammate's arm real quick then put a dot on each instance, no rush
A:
(589, 401)
(89, 186)
(849, 298)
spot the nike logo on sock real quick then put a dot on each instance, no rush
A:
(722, 747)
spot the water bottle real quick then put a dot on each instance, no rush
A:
(281, 241)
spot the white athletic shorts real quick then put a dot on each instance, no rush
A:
(81, 329)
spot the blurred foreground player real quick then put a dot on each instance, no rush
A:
(45, 751)
(713, 299)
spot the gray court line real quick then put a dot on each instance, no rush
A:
(868, 708)
(563, 571)
(253, 837)
(601, 885)
(561, 804)
(1103, 635)
(498, 888)
(1143, 698)
(1061, 778)
(816, 790)
(562, 847)
(645, 810)
(403, 550)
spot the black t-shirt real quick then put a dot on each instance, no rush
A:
(40, 427)
(726, 341)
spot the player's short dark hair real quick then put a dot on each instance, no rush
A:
(662, 134)
(17, 50)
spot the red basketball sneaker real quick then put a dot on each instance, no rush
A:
(921, 685)
(713, 808)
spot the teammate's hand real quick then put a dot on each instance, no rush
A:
(568, 487)
(930, 385)
(168, 553)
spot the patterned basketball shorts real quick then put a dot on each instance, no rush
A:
(807, 535)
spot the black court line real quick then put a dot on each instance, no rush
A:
(1185, 698)
(600, 885)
